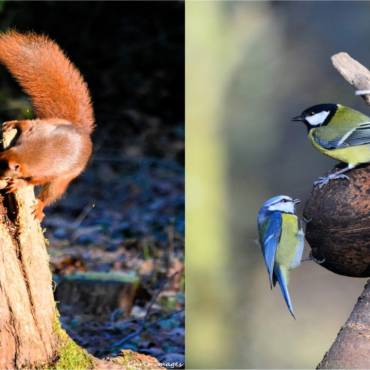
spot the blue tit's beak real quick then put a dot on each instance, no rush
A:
(296, 201)
(298, 119)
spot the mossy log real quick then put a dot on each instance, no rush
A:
(30, 332)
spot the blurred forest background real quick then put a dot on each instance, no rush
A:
(117, 236)
(251, 67)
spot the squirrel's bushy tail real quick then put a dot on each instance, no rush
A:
(55, 86)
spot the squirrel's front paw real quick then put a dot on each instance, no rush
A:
(14, 185)
(8, 125)
(22, 126)
(38, 210)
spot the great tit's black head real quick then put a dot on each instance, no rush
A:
(317, 115)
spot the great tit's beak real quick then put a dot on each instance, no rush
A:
(298, 119)
(296, 201)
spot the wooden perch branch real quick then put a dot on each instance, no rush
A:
(353, 72)
(347, 220)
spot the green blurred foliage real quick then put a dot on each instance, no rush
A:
(251, 66)
(206, 261)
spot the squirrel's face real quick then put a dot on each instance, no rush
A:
(9, 167)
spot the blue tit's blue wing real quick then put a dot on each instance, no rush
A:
(270, 232)
(359, 135)
(281, 275)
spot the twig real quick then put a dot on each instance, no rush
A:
(148, 312)
(362, 92)
(158, 292)
(351, 348)
(81, 217)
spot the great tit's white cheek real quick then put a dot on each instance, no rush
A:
(318, 118)
(287, 207)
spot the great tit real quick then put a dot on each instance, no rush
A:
(338, 132)
(282, 241)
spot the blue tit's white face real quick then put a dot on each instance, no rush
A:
(281, 203)
(318, 115)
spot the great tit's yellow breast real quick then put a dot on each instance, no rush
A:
(351, 155)
(289, 240)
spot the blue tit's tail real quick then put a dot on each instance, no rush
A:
(282, 277)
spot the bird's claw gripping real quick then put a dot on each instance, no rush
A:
(322, 181)
(306, 220)
(311, 258)
(318, 261)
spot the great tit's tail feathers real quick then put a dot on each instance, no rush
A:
(55, 86)
(281, 275)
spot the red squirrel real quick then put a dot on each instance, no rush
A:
(54, 148)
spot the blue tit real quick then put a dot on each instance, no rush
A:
(338, 132)
(282, 241)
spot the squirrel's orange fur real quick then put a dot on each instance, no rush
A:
(54, 148)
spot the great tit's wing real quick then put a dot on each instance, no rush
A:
(359, 135)
(270, 232)
(281, 275)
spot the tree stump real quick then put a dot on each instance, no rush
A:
(30, 332)
(27, 308)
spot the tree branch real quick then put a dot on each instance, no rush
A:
(353, 72)
(351, 348)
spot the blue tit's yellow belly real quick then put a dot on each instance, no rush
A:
(353, 155)
(289, 241)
